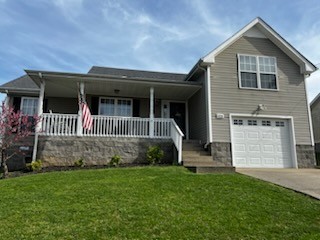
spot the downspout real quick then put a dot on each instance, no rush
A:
(309, 110)
(208, 103)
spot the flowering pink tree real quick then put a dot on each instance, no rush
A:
(14, 127)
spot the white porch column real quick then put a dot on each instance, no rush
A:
(79, 125)
(151, 123)
(40, 104)
(39, 124)
(6, 101)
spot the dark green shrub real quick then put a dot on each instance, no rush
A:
(154, 154)
(79, 163)
(115, 160)
(34, 166)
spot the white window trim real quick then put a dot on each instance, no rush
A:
(258, 73)
(26, 98)
(116, 104)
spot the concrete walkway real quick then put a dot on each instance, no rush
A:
(306, 181)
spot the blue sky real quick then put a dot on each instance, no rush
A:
(161, 35)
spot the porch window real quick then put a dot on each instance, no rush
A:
(29, 106)
(257, 72)
(115, 107)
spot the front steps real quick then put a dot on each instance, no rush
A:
(198, 160)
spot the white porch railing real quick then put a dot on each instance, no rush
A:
(176, 136)
(59, 124)
(54, 124)
(128, 127)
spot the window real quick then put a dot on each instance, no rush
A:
(115, 107)
(252, 122)
(237, 122)
(29, 106)
(279, 124)
(257, 72)
(266, 123)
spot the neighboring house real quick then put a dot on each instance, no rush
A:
(315, 112)
(245, 101)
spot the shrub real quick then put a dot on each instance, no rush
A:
(34, 166)
(115, 160)
(154, 154)
(79, 163)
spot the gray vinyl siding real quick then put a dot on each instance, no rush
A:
(144, 110)
(197, 114)
(70, 105)
(315, 113)
(63, 105)
(228, 98)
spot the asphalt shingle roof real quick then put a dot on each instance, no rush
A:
(137, 73)
(24, 82)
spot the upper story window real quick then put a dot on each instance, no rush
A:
(115, 107)
(29, 106)
(257, 72)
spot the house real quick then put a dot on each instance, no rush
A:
(315, 113)
(245, 102)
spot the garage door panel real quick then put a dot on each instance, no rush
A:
(282, 149)
(255, 161)
(254, 148)
(253, 135)
(268, 148)
(269, 161)
(240, 148)
(239, 135)
(261, 143)
(267, 135)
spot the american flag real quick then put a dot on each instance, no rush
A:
(86, 116)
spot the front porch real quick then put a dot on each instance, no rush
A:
(121, 107)
(69, 125)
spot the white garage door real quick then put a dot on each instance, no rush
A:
(261, 143)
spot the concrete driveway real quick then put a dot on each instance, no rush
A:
(306, 181)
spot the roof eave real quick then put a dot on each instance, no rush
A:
(8, 90)
(34, 74)
(199, 65)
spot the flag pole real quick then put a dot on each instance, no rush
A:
(79, 125)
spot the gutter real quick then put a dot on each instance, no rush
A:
(104, 76)
(7, 90)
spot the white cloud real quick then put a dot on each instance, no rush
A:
(144, 19)
(210, 21)
(313, 85)
(140, 41)
(307, 42)
(71, 9)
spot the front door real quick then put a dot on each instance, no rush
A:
(178, 113)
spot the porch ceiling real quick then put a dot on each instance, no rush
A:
(66, 85)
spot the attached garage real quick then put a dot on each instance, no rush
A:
(262, 143)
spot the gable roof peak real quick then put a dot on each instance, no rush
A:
(306, 67)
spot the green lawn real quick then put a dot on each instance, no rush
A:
(152, 203)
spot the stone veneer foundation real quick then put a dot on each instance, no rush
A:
(305, 156)
(64, 151)
(221, 154)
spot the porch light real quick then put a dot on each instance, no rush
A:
(262, 107)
